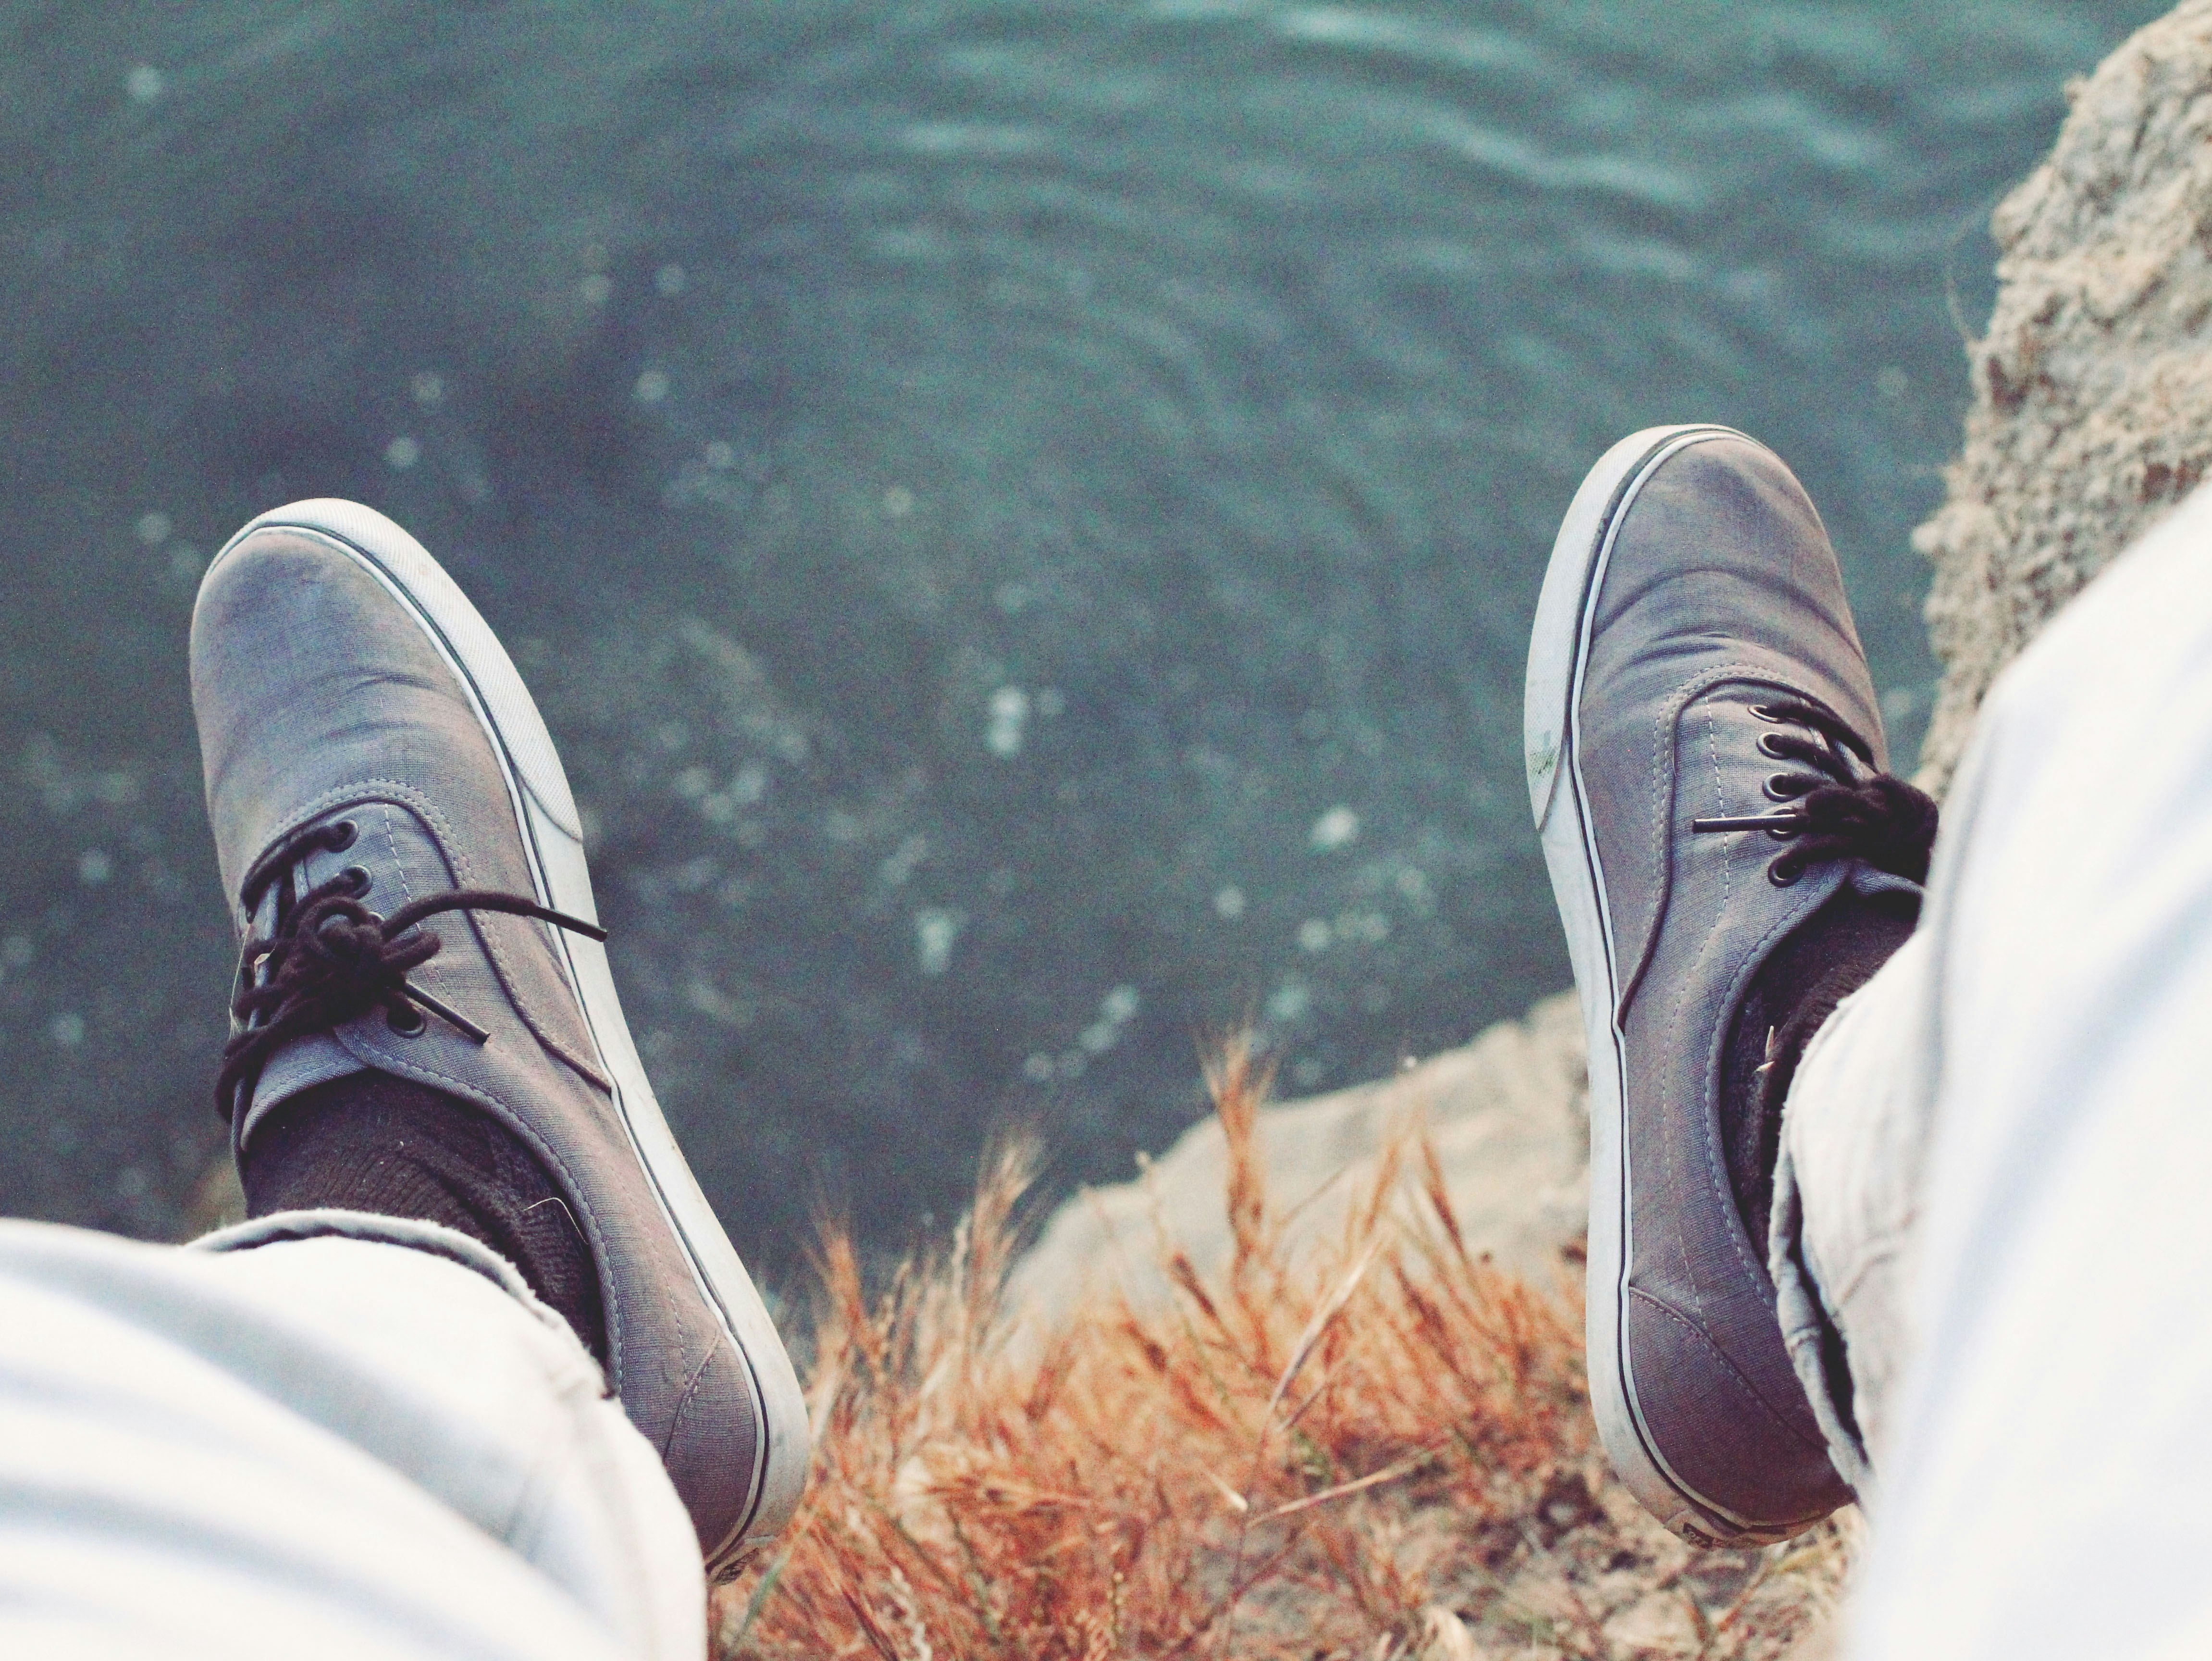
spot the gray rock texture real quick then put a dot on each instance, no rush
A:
(1509, 1115)
(2092, 390)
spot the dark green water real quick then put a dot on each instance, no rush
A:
(1022, 516)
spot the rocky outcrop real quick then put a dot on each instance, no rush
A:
(2091, 409)
(1507, 1114)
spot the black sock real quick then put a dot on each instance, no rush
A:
(1828, 957)
(373, 1142)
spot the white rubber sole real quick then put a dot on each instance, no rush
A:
(545, 813)
(1559, 649)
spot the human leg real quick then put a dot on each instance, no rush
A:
(1988, 1230)
(1707, 768)
(1846, 1197)
(407, 863)
(443, 1128)
(2043, 1467)
(324, 1433)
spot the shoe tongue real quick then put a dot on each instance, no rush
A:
(307, 1061)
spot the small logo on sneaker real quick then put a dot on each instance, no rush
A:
(1542, 760)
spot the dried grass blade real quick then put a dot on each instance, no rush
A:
(869, 1627)
(755, 1603)
(1237, 1502)
(1331, 1307)
(1239, 1083)
(1389, 1474)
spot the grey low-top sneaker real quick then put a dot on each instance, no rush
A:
(374, 765)
(1706, 765)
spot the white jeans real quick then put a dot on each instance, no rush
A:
(1998, 1162)
(318, 1434)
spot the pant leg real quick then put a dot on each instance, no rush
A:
(320, 1434)
(2040, 1298)
(1846, 1196)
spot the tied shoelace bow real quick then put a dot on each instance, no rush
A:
(328, 958)
(1837, 810)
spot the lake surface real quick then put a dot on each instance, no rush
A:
(1023, 517)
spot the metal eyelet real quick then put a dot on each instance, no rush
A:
(359, 877)
(1767, 742)
(341, 836)
(1775, 790)
(1783, 874)
(408, 1024)
(1768, 713)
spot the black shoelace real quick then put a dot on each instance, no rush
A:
(328, 958)
(1835, 810)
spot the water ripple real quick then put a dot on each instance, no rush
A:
(980, 481)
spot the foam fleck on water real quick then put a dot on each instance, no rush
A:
(1337, 828)
(935, 930)
(1010, 716)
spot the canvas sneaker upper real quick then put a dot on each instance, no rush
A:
(1707, 766)
(371, 756)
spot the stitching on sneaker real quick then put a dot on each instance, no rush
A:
(449, 848)
(391, 849)
(690, 1390)
(1660, 1306)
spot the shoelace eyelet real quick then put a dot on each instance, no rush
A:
(330, 959)
(341, 836)
(1783, 874)
(1784, 787)
(359, 877)
(1768, 713)
(1767, 746)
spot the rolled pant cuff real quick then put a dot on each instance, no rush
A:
(417, 1234)
(1810, 1332)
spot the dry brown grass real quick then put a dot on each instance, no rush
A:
(1379, 1451)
